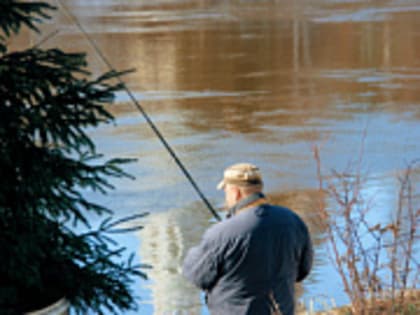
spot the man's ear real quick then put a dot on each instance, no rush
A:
(238, 193)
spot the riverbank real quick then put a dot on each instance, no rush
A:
(411, 306)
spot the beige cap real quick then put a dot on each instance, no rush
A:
(241, 174)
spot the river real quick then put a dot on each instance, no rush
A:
(258, 81)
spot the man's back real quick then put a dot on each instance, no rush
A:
(248, 260)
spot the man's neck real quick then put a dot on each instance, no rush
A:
(246, 202)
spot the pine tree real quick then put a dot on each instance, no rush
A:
(47, 100)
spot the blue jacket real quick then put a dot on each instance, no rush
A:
(241, 260)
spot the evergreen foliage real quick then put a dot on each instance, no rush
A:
(47, 100)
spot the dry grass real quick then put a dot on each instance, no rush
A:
(411, 306)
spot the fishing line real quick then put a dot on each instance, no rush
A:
(140, 109)
(45, 39)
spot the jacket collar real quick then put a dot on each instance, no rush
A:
(243, 203)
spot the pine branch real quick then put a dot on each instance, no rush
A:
(47, 162)
(14, 14)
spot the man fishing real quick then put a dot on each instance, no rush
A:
(248, 264)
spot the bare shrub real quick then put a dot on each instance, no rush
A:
(375, 259)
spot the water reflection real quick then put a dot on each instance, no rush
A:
(164, 241)
(305, 203)
(294, 54)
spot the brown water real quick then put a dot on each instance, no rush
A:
(258, 81)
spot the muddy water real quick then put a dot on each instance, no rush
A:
(258, 81)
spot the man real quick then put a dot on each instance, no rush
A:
(249, 263)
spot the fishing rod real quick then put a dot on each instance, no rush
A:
(140, 109)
